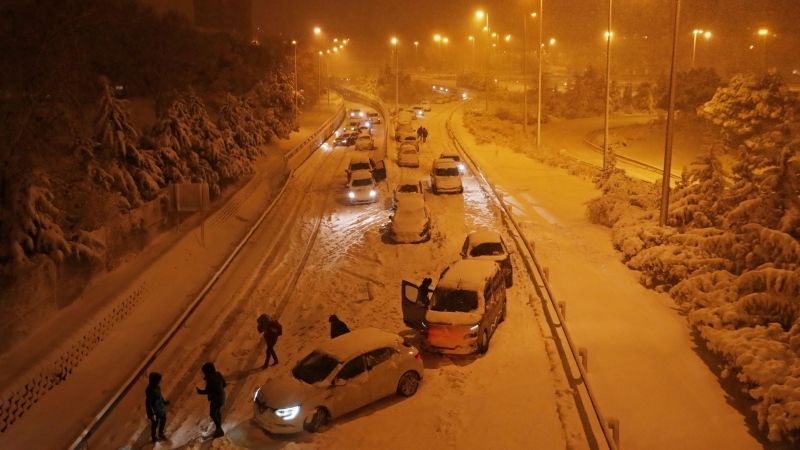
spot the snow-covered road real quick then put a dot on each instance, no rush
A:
(513, 397)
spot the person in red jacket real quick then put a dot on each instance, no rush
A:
(271, 329)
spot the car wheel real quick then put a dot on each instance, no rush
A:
(320, 418)
(483, 346)
(435, 191)
(510, 280)
(408, 384)
(461, 190)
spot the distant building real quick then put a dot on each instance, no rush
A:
(225, 15)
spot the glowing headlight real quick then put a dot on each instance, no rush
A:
(288, 413)
(372, 193)
(460, 167)
(351, 195)
(255, 397)
(464, 96)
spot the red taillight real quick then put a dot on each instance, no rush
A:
(418, 356)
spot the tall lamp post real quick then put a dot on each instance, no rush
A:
(764, 32)
(445, 40)
(708, 55)
(608, 87)
(525, 73)
(416, 52)
(319, 77)
(662, 220)
(294, 43)
(396, 78)
(694, 45)
(328, 77)
(438, 39)
(480, 15)
(508, 61)
(472, 39)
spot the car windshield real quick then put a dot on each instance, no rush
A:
(454, 300)
(408, 188)
(359, 166)
(448, 172)
(453, 157)
(362, 182)
(314, 368)
(363, 138)
(408, 151)
(487, 249)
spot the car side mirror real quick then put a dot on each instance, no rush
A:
(339, 382)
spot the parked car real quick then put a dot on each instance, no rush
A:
(339, 376)
(362, 188)
(410, 139)
(445, 177)
(365, 142)
(463, 313)
(438, 100)
(374, 117)
(356, 114)
(419, 111)
(403, 129)
(455, 156)
(364, 162)
(426, 105)
(407, 189)
(489, 246)
(411, 222)
(345, 139)
(352, 126)
(407, 156)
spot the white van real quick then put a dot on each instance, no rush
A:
(468, 304)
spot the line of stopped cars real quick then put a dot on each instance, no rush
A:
(457, 316)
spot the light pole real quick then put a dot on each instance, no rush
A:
(694, 45)
(328, 77)
(708, 55)
(480, 15)
(319, 77)
(445, 40)
(396, 78)
(764, 32)
(416, 53)
(662, 220)
(294, 44)
(438, 39)
(525, 73)
(508, 61)
(539, 108)
(608, 87)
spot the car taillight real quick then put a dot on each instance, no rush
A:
(418, 357)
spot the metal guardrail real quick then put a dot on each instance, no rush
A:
(82, 441)
(611, 436)
(315, 139)
(633, 162)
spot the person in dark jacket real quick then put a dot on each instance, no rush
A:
(419, 133)
(156, 407)
(215, 391)
(338, 327)
(271, 330)
(424, 134)
(424, 290)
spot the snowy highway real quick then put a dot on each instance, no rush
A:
(325, 257)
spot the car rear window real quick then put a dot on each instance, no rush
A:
(359, 166)
(363, 138)
(450, 172)
(408, 188)
(487, 249)
(314, 368)
(362, 182)
(454, 300)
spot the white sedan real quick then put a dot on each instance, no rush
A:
(407, 156)
(407, 189)
(365, 142)
(362, 187)
(426, 105)
(340, 376)
(411, 221)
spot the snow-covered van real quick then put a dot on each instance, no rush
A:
(445, 177)
(466, 307)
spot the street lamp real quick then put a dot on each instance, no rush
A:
(609, 35)
(319, 77)
(328, 77)
(438, 39)
(480, 15)
(317, 30)
(294, 44)
(525, 77)
(764, 32)
(694, 44)
(670, 121)
(508, 61)
(708, 55)
(416, 52)
(473, 51)
(396, 78)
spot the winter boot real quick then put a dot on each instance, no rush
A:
(218, 433)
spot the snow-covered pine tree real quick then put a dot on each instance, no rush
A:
(695, 201)
(273, 98)
(248, 132)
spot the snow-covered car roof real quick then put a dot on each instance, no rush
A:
(424, 102)
(356, 159)
(363, 340)
(361, 175)
(448, 153)
(408, 147)
(468, 274)
(445, 163)
(410, 205)
(482, 237)
(364, 136)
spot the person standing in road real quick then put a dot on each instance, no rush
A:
(424, 134)
(271, 330)
(215, 391)
(338, 327)
(156, 407)
(419, 133)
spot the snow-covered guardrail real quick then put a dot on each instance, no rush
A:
(295, 157)
(631, 161)
(610, 427)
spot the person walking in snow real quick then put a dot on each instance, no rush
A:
(215, 391)
(419, 133)
(424, 134)
(156, 407)
(338, 327)
(271, 330)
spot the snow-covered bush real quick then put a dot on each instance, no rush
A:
(273, 99)
(247, 131)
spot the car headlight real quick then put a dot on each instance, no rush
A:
(288, 413)
(351, 195)
(460, 167)
(372, 193)
(255, 397)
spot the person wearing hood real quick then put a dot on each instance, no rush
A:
(338, 327)
(156, 407)
(423, 291)
(271, 329)
(215, 391)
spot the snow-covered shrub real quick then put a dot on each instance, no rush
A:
(622, 197)
(273, 98)
(247, 131)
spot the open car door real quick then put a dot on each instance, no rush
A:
(379, 172)
(413, 312)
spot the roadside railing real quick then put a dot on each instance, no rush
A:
(631, 161)
(301, 152)
(609, 427)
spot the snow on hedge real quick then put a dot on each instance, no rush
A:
(730, 258)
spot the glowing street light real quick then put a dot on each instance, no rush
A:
(552, 41)
(317, 30)
(481, 15)
(416, 51)
(396, 78)
(764, 32)
(294, 44)
(473, 51)
(694, 44)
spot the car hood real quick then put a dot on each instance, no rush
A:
(448, 182)
(285, 391)
(409, 222)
